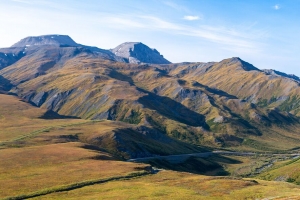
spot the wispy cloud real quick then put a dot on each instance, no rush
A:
(276, 7)
(191, 18)
(121, 22)
(22, 1)
(176, 6)
(158, 23)
(229, 38)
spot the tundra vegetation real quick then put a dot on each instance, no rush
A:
(72, 115)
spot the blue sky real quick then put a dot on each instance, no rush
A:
(263, 32)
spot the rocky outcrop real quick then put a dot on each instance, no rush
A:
(278, 73)
(137, 52)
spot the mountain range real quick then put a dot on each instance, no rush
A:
(226, 104)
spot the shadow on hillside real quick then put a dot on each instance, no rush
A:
(5, 84)
(121, 77)
(165, 106)
(213, 166)
(172, 109)
(53, 115)
(138, 142)
(215, 91)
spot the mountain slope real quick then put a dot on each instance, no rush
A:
(39, 126)
(221, 104)
(254, 86)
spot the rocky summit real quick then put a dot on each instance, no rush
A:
(58, 40)
(137, 52)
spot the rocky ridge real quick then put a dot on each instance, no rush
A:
(216, 104)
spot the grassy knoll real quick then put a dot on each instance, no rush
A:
(288, 171)
(29, 169)
(18, 118)
(179, 185)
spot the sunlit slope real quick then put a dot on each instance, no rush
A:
(100, 91)
(25, 125)
(230, 103)
(243, 80)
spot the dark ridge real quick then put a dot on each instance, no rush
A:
(5, 84)
(94, 148)
(245, 65)
(275, 72)
(215, 91)
(196, 165)
(53, 115)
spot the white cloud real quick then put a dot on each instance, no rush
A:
(277, 7)
(191, 18)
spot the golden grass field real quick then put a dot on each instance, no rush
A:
(29, 169)
(179, 185)
(49, 158)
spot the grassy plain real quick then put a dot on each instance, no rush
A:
(28, 169)
(179, 185)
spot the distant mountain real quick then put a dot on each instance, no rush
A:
(57, 40)
(62, 41)
(230, 103)
(137, 52)
(130, 52)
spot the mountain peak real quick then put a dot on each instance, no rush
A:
(56, 40)
(244, 65)
(137, 52)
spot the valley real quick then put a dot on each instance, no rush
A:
(77, 121)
